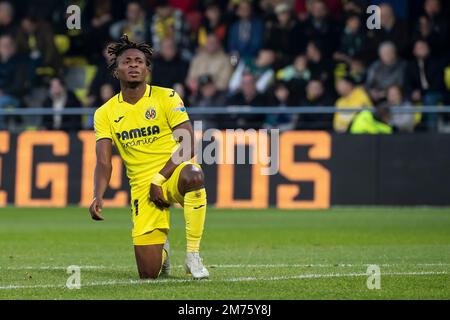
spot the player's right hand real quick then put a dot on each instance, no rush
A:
(157, 197)
(96, 208)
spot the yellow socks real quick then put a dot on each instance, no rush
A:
(194, 215)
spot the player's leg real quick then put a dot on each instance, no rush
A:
(149, 260)
(150, 253)
(191, 185)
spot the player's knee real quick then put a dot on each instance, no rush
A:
(196, 179)
(192, 178)
(149, 273)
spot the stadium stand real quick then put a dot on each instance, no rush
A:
(288, 44)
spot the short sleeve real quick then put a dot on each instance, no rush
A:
(175, 109)
(101, 125)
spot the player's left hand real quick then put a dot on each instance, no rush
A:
(157, 197)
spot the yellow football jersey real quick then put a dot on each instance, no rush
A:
(142, 133)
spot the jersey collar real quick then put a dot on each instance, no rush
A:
(148, 93)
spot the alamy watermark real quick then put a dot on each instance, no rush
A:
(374, 20)
(74, 279)
(73, 20)
(230, 146)
(374, 277)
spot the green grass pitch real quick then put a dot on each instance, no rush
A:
(251, 254)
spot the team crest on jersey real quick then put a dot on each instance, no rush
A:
(150, 114)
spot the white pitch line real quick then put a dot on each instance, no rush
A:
(334, 275)
(242, 279)
(322, 265)
(56, 267)
(230, 266)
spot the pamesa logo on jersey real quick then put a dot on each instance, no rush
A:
(150, 114)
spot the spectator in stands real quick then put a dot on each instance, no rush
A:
(321, 27)
(102, 76)
(7, 25)
(169, 69)
(36, 39)
(315, 96)
(284, 35)
(351, 97)
(245, 36)
(357, 70)
(353, 40)
(303, 7)
(52, 11)
(212, 22)
(425, 76)
(297, 70)
(366, 122)
(403, 122)
(100, 14)
(107, 91)
(392, 30)
(355, 7)
(281, 97)
(212, 60)
(321, 67)
(135, 25)
(433, 27)
(400, 7)
(260, 68)
(296, 74)
(267, 7)
(389, 70)
(248, 95)
(185, 6)
(208, 96)
(60, 98)
(169, 31)
(169, 22)
(14, 75)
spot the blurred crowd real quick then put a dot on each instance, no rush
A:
(278, 53)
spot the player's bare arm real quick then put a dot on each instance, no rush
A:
(102, 175)
(184, 134)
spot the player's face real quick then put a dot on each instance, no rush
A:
(131, 66)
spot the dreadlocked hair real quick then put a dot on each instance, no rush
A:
(115, 49)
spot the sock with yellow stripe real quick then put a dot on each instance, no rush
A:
(194, 215)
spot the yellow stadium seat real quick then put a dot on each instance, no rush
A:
(75, 61)
(340, 71)
(62, 43)
(91, 70)
(447, 77)
(418, 115)
(89, 74)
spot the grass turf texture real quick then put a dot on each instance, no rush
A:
(251, 254)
